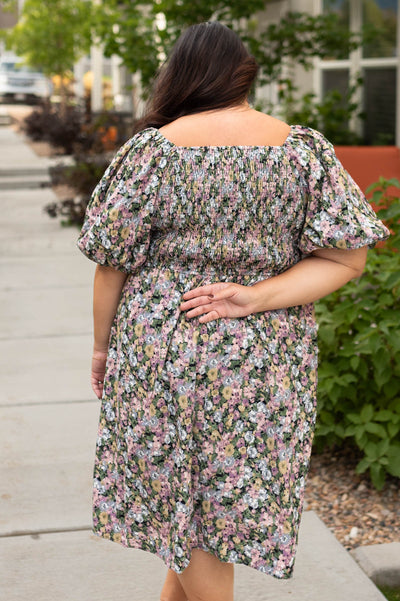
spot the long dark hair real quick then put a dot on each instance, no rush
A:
(208, 68)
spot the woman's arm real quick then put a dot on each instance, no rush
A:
(316, 276)
(108, 283)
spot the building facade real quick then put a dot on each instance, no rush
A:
(376, 62)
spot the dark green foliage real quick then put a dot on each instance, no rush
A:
(331, 115)
(82, 178)
(142, 45)
(359, 340)
(302, 37)
(391, 594)
(71, 210)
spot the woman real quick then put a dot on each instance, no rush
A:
(215, 228)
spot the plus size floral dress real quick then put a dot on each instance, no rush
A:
(205, 430)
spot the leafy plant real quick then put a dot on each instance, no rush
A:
(72, 132)
(82, 178)
(61, 130)
(331, 115)
(391, 594)
(359, 340)
(35, 124)
(71, 210)
(144, 33)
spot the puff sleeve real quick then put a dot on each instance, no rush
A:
(117, 224)
(337, 214)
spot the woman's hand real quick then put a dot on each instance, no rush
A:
(222, 299)
(318, 274)
(99, 359)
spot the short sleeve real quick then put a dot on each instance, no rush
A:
(337, 214)
(117, 225)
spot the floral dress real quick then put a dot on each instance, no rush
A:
(205, 430)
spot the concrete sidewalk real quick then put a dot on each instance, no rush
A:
(48, 425)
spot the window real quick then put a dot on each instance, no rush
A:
(336, 79)
(382, 16)
(379, 105)
(378, 63)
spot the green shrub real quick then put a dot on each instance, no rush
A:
(359, 341)
(82, 177)
(331, 115)
(71, 210)
(391, 594)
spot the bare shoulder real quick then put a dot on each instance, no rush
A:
(227, 127)
(271, 121)
(270, 124)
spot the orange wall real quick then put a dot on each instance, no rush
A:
(366, 164)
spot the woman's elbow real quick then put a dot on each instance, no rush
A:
(360, 260)
(357, 272)
(354, 259)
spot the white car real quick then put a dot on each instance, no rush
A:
(18, 81)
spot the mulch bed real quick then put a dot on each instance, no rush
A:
(348, 504)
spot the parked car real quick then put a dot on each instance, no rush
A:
(18, 81)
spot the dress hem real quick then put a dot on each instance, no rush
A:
(141, 545)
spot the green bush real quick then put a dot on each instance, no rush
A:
(331, 115)
(82, 177)
(391, 594)
(359, 341)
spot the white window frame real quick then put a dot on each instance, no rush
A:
(356, 63)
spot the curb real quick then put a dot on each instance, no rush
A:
(381, 563)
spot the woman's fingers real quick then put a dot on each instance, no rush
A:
(195, 302)
(205, 290)
(200, 291)
(208, 302)
(199, 310)
(204, 296)
(209, 316)
(97, 386)
(99, 360)
(221, 299)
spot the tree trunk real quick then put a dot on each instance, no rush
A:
(63, 97)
